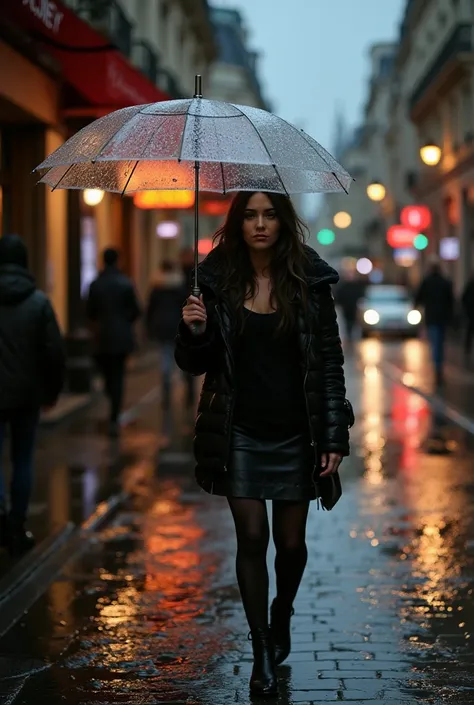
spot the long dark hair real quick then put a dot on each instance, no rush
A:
(287, 266)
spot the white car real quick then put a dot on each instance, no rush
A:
(387, 309)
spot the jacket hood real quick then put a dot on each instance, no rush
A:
(16, 284)
(13, 251)
(318, 271)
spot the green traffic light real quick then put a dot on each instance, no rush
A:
(420, 242)
(326, 237)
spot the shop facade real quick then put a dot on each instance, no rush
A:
(60, 74)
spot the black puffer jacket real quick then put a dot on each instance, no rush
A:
(212, 353)
(32, 358)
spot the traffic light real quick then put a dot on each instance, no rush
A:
(325, 236)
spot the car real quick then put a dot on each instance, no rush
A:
(388, 310)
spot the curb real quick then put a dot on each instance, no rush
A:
(438, 404)
(32, 560)
(71, 413)
(36, 570)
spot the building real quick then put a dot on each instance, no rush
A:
(233, 77)
(63, 65)
(362, 151)
(435, 72)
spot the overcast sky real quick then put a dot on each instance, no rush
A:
(314, 55)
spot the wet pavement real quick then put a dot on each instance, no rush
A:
(77, 465)
(150, 613)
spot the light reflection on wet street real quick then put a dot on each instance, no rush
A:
(151, 613)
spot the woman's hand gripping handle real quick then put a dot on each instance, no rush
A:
(194, 313)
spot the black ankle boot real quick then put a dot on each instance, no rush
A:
(263, 681)
(280, 629)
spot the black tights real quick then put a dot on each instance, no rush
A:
(253, 533)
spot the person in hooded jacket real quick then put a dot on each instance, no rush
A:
(32, 370)
(163, 316)
(272, 418)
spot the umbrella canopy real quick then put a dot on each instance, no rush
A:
(157, 146)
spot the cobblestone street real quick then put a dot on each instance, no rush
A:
(150, 612)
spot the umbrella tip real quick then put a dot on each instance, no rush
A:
(198, 86)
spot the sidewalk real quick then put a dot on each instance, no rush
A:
(70, 404)
(152, 614)
(77, 466)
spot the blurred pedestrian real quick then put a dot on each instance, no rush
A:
(435, 296)
(112, 308)
(347, 295)
(163, 316)
(272, 418)
(32, 365)
(467, 301)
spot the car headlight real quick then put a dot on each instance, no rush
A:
(414, 317)
(371, 317)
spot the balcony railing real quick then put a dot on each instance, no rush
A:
(108, 18)
(145, 59)
(459, 41)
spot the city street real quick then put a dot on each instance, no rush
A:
(149, 612)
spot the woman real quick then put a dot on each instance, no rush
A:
(272, 416)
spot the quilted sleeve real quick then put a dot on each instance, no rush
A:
(335, 435)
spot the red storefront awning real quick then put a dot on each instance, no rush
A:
(98, 72)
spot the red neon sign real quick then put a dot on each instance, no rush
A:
(401, 236)
(205, 246)
(417, 217)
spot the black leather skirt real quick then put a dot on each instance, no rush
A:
(268, 468)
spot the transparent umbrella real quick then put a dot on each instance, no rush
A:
(193, 144)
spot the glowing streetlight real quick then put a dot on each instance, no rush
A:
(93, 196)
(376, 191)
(364, 265)
(430, 154)
(342, 220)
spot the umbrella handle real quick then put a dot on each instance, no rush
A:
(196, 328)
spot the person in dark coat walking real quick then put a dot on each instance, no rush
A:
(32, 369)
(347, 295)
(435, 296)
(272, 420)
(112, 308)
(163, 316)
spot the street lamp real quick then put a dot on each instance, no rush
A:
(376, 191)
(342, 220)
(430, 153)
(93, 196)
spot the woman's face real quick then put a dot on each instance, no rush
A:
(261, 226)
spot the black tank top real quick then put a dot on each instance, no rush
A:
(269, 378)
